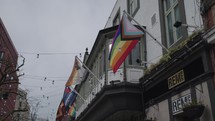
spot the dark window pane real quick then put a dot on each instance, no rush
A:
(170, 29)
(167, 5)
(177, 18)
(134, 55)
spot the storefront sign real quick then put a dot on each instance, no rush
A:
(176, 79)
(178, 104)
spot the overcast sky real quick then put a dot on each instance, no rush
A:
(57, 30)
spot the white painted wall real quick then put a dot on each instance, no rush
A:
(146, 11)
(158, 112)
(120, 4)
(117, 76)
(202, 95)
(134, 74)
(193, 17)
(143, 17)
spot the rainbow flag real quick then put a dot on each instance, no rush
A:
(61, 112)
(76, 75)
(121, 47)
(69, 98)
(66, 108)
(129, 31)
(72, 112)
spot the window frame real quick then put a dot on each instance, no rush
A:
(130, 57)
(130, 10)
(170, 12)
(116, 19)
(163, 22)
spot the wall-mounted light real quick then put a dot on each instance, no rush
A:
(142, 62)
(179, 24)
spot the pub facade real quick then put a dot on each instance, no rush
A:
(173, 85)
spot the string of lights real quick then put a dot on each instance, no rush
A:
(44, 79)
(49, 54)
(46, 53)
(43, 76)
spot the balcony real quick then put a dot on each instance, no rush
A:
(109, 100)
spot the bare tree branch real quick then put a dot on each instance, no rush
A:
(8, 70)
(11, 113)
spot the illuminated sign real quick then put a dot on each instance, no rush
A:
(178, 104)
(176, 79)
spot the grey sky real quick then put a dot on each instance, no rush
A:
(52, 26)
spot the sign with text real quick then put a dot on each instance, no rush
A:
(176, 79)
(178, 104)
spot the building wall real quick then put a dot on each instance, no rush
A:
(119, 5)
(193, 16)
(202, 95)
(10, 55)
(158, 112)
(143, 17)
(163, 109)
(23, 106)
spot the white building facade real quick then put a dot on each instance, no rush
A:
(157, 88)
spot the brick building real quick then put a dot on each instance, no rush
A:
(8, 76)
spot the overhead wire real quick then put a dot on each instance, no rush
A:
(46, 53)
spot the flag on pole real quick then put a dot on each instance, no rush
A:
(61, 112)
(128, 30)
(76, 75)
(120, 48)
(66, 107)
(72, 112)
(69, 98)
(66, 110)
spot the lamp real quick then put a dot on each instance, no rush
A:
(142, 62)
(179, 23)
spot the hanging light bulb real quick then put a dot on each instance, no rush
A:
(38, 55)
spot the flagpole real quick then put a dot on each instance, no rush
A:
(78, 94)
(89, 70)
(146, 31)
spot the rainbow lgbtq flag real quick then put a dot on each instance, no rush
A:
(122, 47)
(76, 75)
(72, 112)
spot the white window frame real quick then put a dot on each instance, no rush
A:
(116, 19)
(171, 12)
(133, 6)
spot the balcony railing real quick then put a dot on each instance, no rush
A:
(113, 79)
(90, 97)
